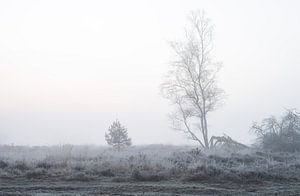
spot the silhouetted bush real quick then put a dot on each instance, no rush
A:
(279, 135)
(43, 165)
(36, 174)
(107, 173)
(142, 176)
(21, 165)
(3, 164)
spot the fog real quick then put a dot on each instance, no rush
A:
(68, 69)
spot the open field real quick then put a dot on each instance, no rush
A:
(146, 170)
(37, 187)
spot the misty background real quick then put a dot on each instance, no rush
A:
(70, 68)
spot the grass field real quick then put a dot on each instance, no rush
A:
(146, 170)
(46, 187)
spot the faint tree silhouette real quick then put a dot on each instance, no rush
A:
(279, 134)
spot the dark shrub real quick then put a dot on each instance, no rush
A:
(138, 176)
(3, 164)
(120, 179)
(153, 177)
(21, 165)
(43, 165)
(297, 166)
(285, 142)
(253, 176)
(218, 159)
(205, 173)
(279, 134)
(244, 159)
(36, 174)
(107, 173)
(210, 171)
(197, 177)
(78, 168)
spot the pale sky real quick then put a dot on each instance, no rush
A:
(68, 69)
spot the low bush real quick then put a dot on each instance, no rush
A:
(43, 165)
(279, 135)
(36, 174)
(3, 164)
(20, 165)
(107, 173)
(143, 176)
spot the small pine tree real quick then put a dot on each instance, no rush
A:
(117, 136)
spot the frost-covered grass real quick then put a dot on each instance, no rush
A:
(146, 163)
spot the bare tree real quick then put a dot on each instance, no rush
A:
(281, 134)
(191, 83)
(117, 136)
